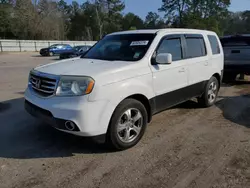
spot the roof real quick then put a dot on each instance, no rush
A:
(153, 31)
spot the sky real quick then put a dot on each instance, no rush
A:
(142, 7)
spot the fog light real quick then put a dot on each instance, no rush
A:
(70, 125)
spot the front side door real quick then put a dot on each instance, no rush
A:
(170, 80)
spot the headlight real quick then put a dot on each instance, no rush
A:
(74, 86)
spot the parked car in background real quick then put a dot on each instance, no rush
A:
(75, 52)
(55, 49)
(46, 51)
(122, 81)
(237, 56)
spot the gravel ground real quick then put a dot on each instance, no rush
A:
(185, 146)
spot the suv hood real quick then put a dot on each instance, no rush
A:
(97, 69)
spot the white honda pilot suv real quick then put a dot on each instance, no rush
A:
(124, 79)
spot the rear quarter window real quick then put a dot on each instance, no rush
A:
(214, 44)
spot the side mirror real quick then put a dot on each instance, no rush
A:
(163, 58)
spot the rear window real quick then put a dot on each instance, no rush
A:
(235, 41)
(214, 44)
(195, 47)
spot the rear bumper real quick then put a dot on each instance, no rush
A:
(237, 69)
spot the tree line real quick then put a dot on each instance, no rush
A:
(91, 20)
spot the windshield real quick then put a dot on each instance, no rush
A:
(124, 47)
(77, 48)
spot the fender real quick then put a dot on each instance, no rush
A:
(117, 92)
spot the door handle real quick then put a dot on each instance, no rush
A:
(206, 63)
(182, 70)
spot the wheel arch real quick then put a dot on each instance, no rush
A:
(145, 101)
(218, 77)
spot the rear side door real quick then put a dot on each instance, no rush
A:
(197, 60)
(170, 80)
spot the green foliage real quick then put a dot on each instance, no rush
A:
(5, 10)
(200, 14)
(153, 21)
(131, 21)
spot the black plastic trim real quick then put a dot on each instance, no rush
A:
(46, 116)
(168, 100)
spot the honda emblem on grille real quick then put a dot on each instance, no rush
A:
(38, 83)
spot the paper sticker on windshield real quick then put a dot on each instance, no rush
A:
(139, 43)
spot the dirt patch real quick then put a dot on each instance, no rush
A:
(237, 172)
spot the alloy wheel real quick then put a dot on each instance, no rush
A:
(129, 125)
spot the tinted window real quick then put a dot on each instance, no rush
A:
(84, 48)
(124, 47)
(77, 48)
(66, 46)
(214, 44)
(195, 47)
(54, 45)
(235, 41)
(172, 46)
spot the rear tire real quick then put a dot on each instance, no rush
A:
(229, 78)
(127, 125)
(210, 94)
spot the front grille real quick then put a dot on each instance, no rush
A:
(42, 85)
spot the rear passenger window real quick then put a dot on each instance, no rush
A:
(172, 46)
(195, 47)
(214, 44)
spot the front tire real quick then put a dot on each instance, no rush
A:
(127, 125)
(210, 94)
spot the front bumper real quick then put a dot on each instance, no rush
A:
(44, 52)
(87, 116)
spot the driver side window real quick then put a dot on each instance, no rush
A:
(171, 46)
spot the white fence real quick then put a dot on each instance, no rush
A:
(35, 45)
